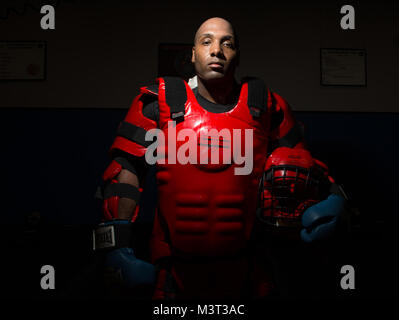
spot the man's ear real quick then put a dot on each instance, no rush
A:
(193, 54)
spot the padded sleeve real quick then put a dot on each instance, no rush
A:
(130, 136)
(286, 131)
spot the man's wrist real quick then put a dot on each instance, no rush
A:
(112, 234)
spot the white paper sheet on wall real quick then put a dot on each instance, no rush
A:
(346, 67)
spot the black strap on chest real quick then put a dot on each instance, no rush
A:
(257, 96)
(176, 97)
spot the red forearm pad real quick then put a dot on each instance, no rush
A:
(112, 171)
(110, 206)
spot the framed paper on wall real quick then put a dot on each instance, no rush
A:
(343, 67)
(22, 60)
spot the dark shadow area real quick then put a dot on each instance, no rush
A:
(53, 161)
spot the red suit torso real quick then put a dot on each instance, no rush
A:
(207, 209)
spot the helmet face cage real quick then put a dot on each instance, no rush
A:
(286, 191)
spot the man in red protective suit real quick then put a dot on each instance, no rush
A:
(201, 244)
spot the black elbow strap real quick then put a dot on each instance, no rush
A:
(133, 133)
(126, 164)
(122, 190)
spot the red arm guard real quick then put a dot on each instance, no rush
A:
(131, 131)
(289, 132)
(111, 204)
(130, 139)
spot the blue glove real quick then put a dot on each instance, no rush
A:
(132, 271)
(320, 220)
(121, 265)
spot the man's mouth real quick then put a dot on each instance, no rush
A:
(216, 65)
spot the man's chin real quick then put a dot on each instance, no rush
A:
(214, 76)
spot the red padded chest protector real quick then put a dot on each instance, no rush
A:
(208, 209)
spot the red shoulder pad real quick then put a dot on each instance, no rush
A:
(152, 90)
(288, 122)
(130, 139)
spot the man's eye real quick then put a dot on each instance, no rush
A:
(228, 44)
(206, 42)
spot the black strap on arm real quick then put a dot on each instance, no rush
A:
(129, 163)
(257, 96)
(176, 97)
(122, 190)
(133, 133)
(293, 136)
(126, 164)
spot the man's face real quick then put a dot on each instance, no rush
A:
(214, 52)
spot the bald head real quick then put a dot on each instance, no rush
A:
(216, 23)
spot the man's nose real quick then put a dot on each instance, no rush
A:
(216, 49)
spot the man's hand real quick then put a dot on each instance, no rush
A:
(320, 220)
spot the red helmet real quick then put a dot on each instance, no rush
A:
(292, 181)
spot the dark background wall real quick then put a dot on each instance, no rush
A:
(56, 133)
(102, 51)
